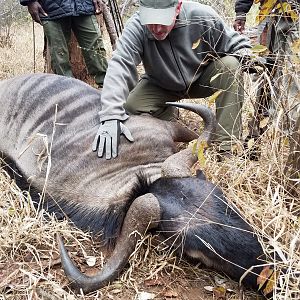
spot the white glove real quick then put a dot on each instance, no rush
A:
(108, 138)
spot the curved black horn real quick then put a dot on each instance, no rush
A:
(179, 164)
(143, 214)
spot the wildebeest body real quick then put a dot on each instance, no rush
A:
(48, 123)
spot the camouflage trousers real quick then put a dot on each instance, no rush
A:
(279, 88)
(88, 35)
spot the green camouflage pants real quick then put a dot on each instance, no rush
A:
(282, 34)
(278, 34)
(149, 98)
(88, 35)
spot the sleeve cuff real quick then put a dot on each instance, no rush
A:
(240, 16)
(26, 2)
(104, 118)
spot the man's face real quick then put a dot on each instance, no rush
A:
(160, 32)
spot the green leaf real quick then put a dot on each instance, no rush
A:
(196, 44)
(212, 99)
(201, 157)
(259, 49)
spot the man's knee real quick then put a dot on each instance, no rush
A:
(230, 63)
(162, 112)
(130, 107)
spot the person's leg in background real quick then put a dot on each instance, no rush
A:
(286, 79)
(262, 102)
(58, 34)
(88, 35)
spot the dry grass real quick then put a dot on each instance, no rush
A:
(258, 189)
(19, 58)
(29, 261)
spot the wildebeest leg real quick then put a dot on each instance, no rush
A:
(143, 214)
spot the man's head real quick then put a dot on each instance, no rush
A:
(159, 16)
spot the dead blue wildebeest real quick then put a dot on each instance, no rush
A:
(48, 123)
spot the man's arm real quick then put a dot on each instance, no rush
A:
(242, 7)
(25, 2)
(121, 77)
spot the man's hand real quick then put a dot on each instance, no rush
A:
(35, 9)
(255, 64)
(98, 6)
(239, 25)
(107, 138)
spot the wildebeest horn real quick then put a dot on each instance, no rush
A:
(180, 163)
(143, 214)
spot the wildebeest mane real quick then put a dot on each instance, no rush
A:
(109, 222)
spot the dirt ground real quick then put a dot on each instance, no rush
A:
(149, 275)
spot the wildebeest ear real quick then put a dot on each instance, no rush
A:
(200, 174)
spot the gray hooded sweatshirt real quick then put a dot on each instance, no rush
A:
(198, 37)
